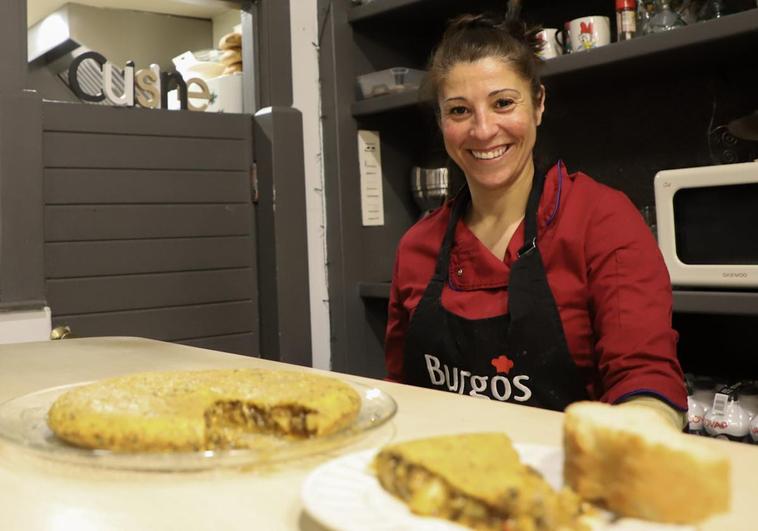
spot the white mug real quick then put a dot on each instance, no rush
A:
(589, 32)
(551, 48)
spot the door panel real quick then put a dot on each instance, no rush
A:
(134, 292)
(128, 222)
(98, 150)
(179, 323)
(106, 185)
(149, 225)
(118, 257)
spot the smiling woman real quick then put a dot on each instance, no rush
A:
(549, 285)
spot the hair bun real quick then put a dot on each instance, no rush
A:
(509, 22)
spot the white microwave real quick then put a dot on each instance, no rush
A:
(708, 225)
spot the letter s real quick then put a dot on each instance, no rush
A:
(149, 95)
(521, 387)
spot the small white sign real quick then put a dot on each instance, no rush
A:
(370, 160)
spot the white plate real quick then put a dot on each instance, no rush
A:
(344, 495)
(23, 422)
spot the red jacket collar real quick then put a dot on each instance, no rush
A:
(473, 266)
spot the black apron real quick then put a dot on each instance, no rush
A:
(520, 357)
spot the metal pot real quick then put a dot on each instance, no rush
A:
(430, 187)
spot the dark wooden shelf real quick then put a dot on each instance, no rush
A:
(379, 7)
(716, 302)
(705, 33)
(685, 301)
(385, 103)
(702, 34)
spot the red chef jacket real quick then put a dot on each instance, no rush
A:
(604, 268)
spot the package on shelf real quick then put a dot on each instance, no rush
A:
(389, 81)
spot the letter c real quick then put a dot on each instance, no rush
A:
(73, 79)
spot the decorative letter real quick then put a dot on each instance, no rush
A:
(203, 94)
(166, 79)
(127, 98)
(147, 91)
(73, 80)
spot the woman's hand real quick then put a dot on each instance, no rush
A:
(668, 414)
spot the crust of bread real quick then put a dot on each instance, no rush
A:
(629, 461)
(177, 410)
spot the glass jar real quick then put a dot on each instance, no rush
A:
(664, 19)
(645, 11)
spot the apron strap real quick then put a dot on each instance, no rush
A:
(442, 269)
(530, 216)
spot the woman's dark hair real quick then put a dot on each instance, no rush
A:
(469, 38)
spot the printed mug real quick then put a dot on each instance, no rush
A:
(589, 32)
(551, 47)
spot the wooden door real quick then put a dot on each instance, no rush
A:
(149, 225)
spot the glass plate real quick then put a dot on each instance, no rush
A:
(23, 422)
(343, 495)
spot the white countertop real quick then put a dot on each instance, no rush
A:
(38, 494)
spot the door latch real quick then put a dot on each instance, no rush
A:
(254, 183)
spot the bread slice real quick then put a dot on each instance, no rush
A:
(201, 410)
(477, 480)
(630, 461)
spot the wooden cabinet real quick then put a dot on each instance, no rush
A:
(620, 113)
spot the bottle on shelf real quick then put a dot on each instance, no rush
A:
(626, 19)
(727, 419)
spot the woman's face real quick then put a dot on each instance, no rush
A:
(489, 122)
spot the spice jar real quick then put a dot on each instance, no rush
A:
(626, 19)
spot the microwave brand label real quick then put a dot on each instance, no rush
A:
(147, 88)
(733, 275)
